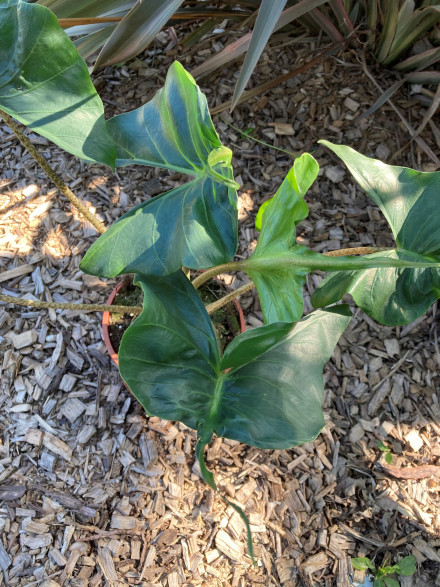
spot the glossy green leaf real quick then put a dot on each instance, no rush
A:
(280, 290)
(270, 398)
(193, 225)
(267, 18)
(407, 566)
(260, 213)
(137, 30)
(53, 96)
(410, 201)
(390, 582)
(362, 564)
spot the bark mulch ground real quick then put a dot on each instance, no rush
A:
(92, 492)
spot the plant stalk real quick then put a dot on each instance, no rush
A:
(66, 306)
(79, 205)
(238, 265)
(214, 271)
(211, 308)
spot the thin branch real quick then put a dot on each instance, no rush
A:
(79, 205)
(66, 306)
(211, 308)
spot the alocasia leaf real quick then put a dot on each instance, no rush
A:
(280, 290)
(272, 393)
(269, 397)
(193, 225)
(45, 84)
(410, 201)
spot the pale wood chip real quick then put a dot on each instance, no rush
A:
(231, 548)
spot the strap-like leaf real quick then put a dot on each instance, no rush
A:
(45, 84)
(136, 31)
(410, 201)
(266, 20)
(194, 225)
(270, 398)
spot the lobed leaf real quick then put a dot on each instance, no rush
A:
(54, 97)
(410, 201)
(280, 290)
(271, 396)
(193, 225)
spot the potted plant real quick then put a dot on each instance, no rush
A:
(266, 388)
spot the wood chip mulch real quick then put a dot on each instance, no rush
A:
(92, 492)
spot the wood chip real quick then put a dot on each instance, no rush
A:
(231, 548)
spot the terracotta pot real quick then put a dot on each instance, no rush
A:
(106, 322)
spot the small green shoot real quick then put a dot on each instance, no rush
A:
(386, 452)
(406, 567)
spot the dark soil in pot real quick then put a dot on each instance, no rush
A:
(227, 320)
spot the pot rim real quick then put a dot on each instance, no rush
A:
(106, 322)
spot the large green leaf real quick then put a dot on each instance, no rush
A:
(270, 397)
(194, 225)
(279, 288)
(410, 201)
(45, 84)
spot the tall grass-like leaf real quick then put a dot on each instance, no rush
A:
(324, 23)
(268, 15)
(419, 61)
(422, 20)
(53, 95)
(388, 31)
(193, 225)
(240, 46)
(91, 42)
(78, 8)
(342, 17)
(137, 30)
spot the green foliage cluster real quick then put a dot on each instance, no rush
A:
(406, 567)
(267, 388)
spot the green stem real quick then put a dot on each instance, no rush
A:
(79, 205)
(288, 260)
(214, 271)
(250, 137)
